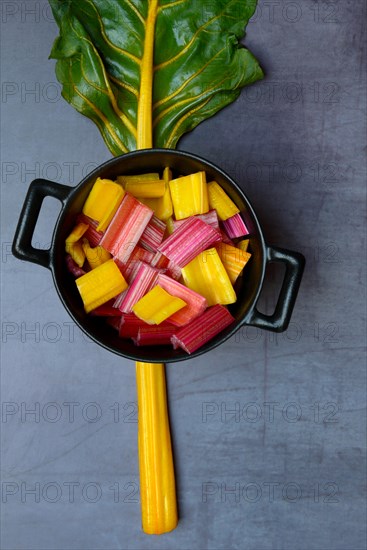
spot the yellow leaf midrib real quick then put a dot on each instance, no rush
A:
(144, 120)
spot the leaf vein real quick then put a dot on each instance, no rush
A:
(103, 119)
(108, 91)
(209, 91)
(136, 11)
(183, 86)
(123, 84)
(171, 5)
(171, 137)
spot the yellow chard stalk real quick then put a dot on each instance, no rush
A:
(162, 206)
(157, 305)
(73, 246)
(189, 195)
(234, 259)
(95, 256)
(146, 189)
(157, 478)
(220, 201)
(100, 285)
(151, 176)
(103, 201)
(144, 130)
(207, 276)
(243, 245)
(76, 252)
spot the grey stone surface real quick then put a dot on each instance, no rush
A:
(286, 470)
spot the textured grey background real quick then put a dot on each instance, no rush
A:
(293, 451)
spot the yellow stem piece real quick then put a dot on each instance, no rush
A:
(206, 275)
(243, 245)
(146, 189)
(157, 478)
(220, 201)
(234, 259)
(103, 201)
(189, 195)
(100, 285)
(151, 176)
(157, 305)
(144, 125)
(76, 233)
(76, 252)
(162, 206)
(96, 256)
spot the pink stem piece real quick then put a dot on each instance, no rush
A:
(154, 336)
(173, 270)
(188, 241)
(211, 218)
(196, 304)
(235, 227)
(94, 237)
(106, 310)
(138, 255)
(143, 281)
(164, 264)
(202, 329)
(159, 261)
(130, 325)
(153, 234)
(73, 267)
(126, 228)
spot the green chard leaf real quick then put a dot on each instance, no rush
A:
(147, 71)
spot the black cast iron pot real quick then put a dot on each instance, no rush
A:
(247, 287)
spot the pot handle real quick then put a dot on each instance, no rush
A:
(279, 320)
(22, 244)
